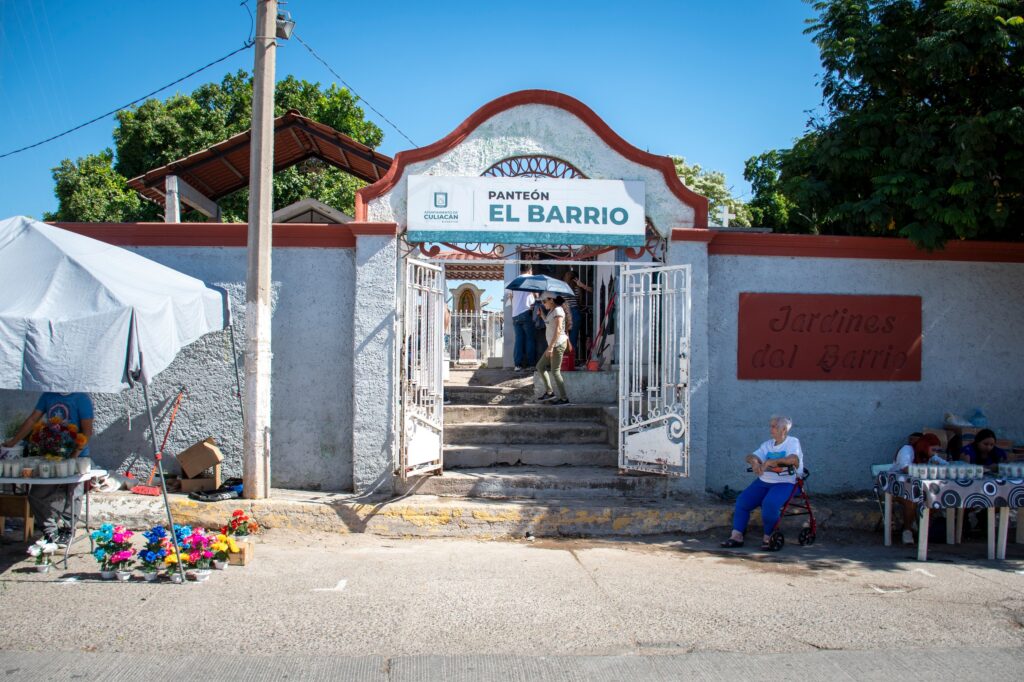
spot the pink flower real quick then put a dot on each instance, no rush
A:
(207, 554)
(193, 557)
(120, 557)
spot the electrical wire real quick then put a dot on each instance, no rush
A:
(244, 47)
(350, 89)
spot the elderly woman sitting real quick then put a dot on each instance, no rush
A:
(774, 483)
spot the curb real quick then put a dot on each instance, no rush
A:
(428, 516)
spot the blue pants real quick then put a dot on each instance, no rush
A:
(768, 496)
(524, 353)
(574, 333)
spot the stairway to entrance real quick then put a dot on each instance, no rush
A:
(500, 444)
(492, 420)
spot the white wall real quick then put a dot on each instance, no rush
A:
(548, 131)
(973, 328)
(312, 374)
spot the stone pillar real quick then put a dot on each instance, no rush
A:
(695, 254)
(374, 374)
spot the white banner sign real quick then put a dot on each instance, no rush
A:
(526, 211)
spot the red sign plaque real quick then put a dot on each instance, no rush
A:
(824, 337)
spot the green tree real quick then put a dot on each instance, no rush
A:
(923, 135)
(712, 185)
(156, 132)
(90, 190)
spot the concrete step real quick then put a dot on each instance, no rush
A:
(537, 483)
(538, 434)
(488, 377)
(488, 395)
(531, 412)
(475, 456)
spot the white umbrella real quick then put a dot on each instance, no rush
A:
(78, 314)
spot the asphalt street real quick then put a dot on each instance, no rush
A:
(330, 606)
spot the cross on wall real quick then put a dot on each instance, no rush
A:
(725, 215)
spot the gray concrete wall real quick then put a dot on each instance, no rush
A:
(695, 255)
(312, 379)
(972, 328)
(374, 392)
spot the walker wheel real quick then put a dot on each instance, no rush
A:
(776, 541)
(806, 537)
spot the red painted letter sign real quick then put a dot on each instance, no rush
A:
(829, 337)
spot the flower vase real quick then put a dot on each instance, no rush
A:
(123, 576)
(220, 565)
(107, 575)
(150, 576)
(175, 577)
(201, 575)
(43, 568)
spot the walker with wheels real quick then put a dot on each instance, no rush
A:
(798, 504)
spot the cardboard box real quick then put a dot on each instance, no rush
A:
(244, 554)
(191, 485)
(200, 457)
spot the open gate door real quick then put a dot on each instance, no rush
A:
(422, 376)
(654, 369)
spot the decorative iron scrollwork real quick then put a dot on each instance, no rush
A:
(533, 166)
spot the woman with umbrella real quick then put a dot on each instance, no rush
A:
(558, 343)
(555, 331)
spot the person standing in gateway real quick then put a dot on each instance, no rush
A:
(50, 504)
(524, 354)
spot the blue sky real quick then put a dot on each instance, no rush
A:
(716, 82)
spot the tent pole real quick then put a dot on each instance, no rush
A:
(238, 379)
(163, 482)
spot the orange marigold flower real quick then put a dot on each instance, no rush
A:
(80, 439)
(55, 420)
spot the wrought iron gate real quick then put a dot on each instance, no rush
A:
(422, 362)
(654, 369)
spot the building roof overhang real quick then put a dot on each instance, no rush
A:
(223, 168)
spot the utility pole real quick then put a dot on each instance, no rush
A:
(256, 438)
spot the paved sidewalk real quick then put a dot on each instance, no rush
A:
(328, 606)
(960, 665)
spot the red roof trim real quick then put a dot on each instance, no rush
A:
(550, 98)
(285, 235)
(823, 246)
(373, 229)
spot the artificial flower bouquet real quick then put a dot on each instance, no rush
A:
(42, 551)
(55, 439)
(240, 525)
(113, 547)
(196, 546)
(155, 551)
(223, 546)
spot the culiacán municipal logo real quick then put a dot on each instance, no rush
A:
(440, 199)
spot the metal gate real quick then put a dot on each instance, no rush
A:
(422, 362)
(654, 372)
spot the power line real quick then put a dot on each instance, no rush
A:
(246, 46)
(350, 89)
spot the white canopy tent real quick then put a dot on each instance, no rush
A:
(77, 314)
(80, 315)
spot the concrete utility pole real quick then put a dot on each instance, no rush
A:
(256, 440)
